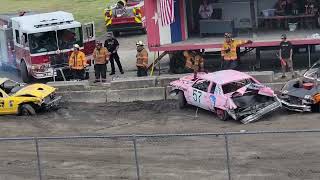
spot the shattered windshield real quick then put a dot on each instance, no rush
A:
(10, 87)
(68, 37)
(43, 42)
(314, 72)
(234, 86)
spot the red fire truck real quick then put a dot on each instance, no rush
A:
(37, 44)
(125, 16)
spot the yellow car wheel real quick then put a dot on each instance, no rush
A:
(27, 110)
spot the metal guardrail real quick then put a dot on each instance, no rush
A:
(134, 138)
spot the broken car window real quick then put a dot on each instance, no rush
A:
(202, 85)
(213, 88)
(43, 42)
(234, 86)
(314, 72)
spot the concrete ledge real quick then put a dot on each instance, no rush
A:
(140, 94)
(276, 86)
(97, 96)
(69, 85)
(263, 76)
(133, 83)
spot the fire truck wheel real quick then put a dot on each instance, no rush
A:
(24, 72)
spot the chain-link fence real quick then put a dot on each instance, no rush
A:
(244, 155)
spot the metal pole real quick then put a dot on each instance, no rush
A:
(309, 55)
(136, 156)
(228, 157)
(159, 65)
(38, 158)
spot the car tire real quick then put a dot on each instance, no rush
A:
(182, 102)
(24, 73)
(27, 110)
(222, 114)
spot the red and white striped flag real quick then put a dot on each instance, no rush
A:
(166, 12)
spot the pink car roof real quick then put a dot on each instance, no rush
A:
(225, 76)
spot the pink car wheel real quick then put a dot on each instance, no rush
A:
(222, 114)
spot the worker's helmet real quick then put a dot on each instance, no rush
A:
(139, 43)
(283, 36)
(227, 35)
(98, 43)
(109, 34)
(76, 46)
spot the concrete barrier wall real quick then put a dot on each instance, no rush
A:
(140, 94)
(97, 96)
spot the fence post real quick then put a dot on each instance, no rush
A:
(136, 156)
(228, 157)
(38, 158)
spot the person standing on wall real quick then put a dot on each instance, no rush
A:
(229, 51)
(77, 63)
(101, 58)
(112, 46)
(285, 54)
(142, 59)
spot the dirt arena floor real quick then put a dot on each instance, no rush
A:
(279, 156)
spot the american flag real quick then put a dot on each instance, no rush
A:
(166, 12)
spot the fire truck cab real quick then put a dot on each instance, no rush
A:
(126, 15)
(37, 44)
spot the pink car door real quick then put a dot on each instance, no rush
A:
(221, 101)
(198, 95)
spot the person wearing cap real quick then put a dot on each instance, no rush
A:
(101, 58)
(229, 51)
(77, 63)
(112, 46)
(142, 59)
(285, 54)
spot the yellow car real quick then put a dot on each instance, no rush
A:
(23, 99)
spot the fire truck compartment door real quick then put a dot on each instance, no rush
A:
(88, 32)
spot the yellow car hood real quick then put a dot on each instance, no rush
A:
(37, 90)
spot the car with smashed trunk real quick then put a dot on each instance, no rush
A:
(21, 99)
(228, 93)
(303, 94)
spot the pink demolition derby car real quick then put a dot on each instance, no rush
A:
(228, 93)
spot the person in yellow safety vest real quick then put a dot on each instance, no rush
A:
(229, 51)
(77, 63)
(101, 58)
(194, 62)
(142, 59)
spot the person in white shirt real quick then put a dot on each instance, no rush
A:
(205, 10)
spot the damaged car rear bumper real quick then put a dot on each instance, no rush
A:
(295, 107)
(256, 116)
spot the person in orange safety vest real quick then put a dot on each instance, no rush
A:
(229, 51)
(142, 59)
(77, 63)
